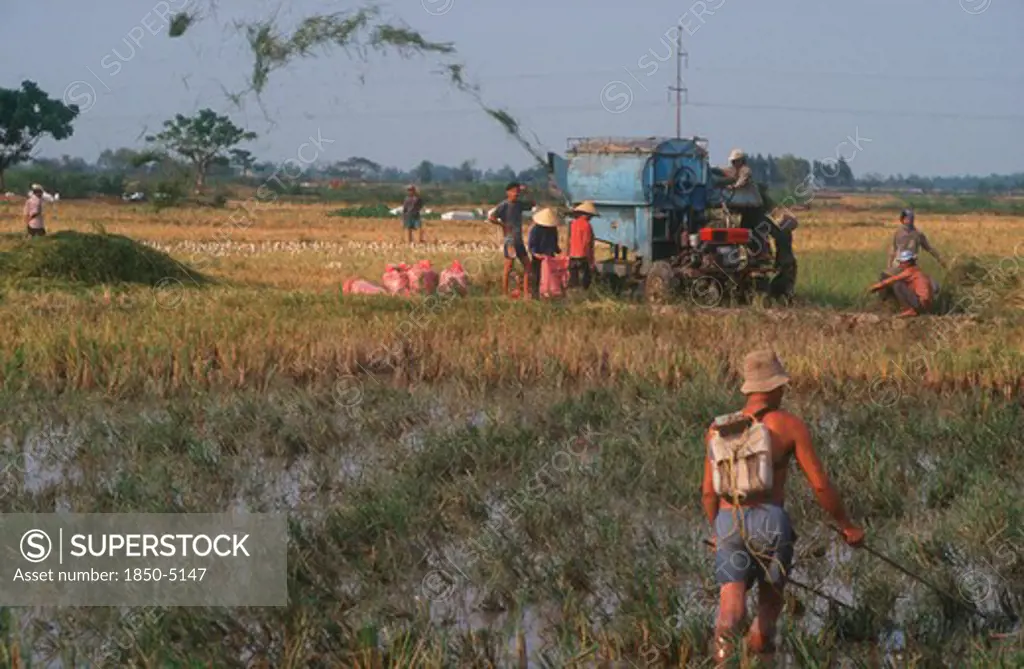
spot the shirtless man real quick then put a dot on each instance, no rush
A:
(761, 547)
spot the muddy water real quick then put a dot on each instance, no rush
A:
(48, 458)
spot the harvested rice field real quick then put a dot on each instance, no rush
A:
(479, 481)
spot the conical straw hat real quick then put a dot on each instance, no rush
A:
(586, 207)
(546, 218)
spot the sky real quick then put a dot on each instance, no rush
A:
(932, 87)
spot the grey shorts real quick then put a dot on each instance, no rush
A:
(753, 544)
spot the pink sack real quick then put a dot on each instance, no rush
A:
(554, 276)
(396, 280)
(453, 279)
(422, 279)
(428, 277)
(357, 286)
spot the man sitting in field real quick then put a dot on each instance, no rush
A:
(913, 288)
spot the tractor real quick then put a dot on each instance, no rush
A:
(658, 199)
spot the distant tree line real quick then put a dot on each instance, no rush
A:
(117, 171)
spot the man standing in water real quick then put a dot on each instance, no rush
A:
(743, 495)
(509, 215)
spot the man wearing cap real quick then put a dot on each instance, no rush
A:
(909, 238)
(34, 212)
(754, 540)
(739, 181)
(914, 289)
(581, 245)
(509, 215)
(411, 212)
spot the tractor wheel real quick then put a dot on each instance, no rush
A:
(707, 292)
(661, 283)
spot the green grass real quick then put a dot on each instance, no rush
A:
(955, 204)
(374, 211)
(481, 409)
(616, 517)
(91, 259)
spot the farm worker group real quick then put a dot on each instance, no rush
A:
(744, 496)
(905, 281)
(543, 240)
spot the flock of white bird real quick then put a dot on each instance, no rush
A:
(220, 249)
(47, 197)
(458, 215)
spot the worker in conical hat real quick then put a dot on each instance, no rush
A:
(581, 245)
(542, 243)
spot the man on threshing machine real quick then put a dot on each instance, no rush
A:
(738, 179)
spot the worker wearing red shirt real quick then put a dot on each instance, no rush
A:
(912, 287)
(581, 245)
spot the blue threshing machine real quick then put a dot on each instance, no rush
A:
(658, 200)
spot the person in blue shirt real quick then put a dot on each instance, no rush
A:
(542, 242)
(509, 215)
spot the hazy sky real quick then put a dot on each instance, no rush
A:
(928, 86)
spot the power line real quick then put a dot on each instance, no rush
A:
(866, 112)
(714, 69)
(594, 107)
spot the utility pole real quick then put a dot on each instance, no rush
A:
(681, 57)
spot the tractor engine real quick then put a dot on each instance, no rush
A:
(723, 249)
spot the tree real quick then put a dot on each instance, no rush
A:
(121, 160)
(465, 172)
(26, 116)
(506, 173)
(793, 170)
(243, 160)
(425, 172)
(356, 168)
(200, 139)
